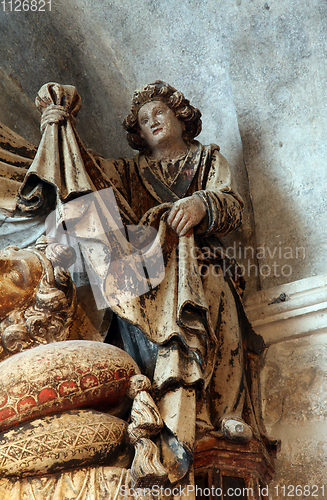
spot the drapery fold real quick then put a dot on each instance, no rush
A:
(60, 162)
(16, 156)
(27, 170)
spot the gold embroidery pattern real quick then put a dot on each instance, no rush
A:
(52, 442)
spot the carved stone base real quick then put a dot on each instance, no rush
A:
(231, 471)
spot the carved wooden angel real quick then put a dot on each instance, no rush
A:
(189, 333)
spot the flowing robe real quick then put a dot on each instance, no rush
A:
(186, 303)
(186, 333)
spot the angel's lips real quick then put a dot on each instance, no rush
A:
(156, 131)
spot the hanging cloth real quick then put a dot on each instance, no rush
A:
(58, 160)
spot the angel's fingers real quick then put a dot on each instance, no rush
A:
(176, 220)
(48, 120)
(184, 226)
(173, 211)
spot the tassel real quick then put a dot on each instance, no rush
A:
(146, 469)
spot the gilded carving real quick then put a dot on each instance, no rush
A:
(50, 388)
(38, 297)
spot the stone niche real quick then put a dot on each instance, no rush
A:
(257, 71)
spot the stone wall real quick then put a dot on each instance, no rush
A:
(280, 98)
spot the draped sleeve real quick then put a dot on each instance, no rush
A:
(224, 204)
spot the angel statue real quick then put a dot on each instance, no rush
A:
(186, 329)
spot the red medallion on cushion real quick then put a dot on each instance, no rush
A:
(25, 404)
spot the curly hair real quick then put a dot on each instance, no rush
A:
(161, 91)
(49, 317)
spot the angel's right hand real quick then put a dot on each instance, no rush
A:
(53, 114)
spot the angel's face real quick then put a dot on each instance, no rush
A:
(159, 126)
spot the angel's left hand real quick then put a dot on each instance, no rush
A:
(186, 214)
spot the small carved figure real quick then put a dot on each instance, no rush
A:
(38, 295)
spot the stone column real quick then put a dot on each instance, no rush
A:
(292, 318)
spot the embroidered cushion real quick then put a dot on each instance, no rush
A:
(64, 376)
